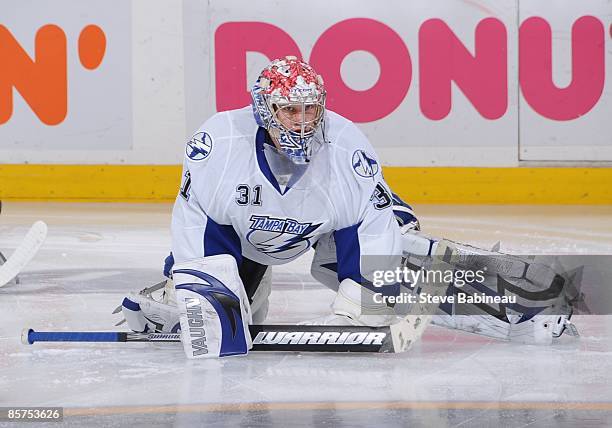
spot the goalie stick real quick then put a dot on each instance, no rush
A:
(24, 253)
(288, 338)
(394, 338)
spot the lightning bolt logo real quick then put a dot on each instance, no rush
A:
(281, 238)
(364, 164)
(199, 147)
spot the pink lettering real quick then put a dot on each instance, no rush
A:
(588, 68)
(232, 41)
(443, 59)
(482, 77)
(395, 68)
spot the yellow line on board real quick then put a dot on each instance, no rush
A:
(533, 185)
(448, 185)
(368, 405)
(114, 183)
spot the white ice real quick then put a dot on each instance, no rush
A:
(95, 253)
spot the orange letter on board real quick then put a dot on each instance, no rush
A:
(43, 82)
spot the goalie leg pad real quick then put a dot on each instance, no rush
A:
(542, 291)
(539, 330)
(213, 306)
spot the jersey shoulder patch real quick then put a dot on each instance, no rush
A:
(199, 147)
(364, 164)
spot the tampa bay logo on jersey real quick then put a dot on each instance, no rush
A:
(364, 164)
(280, 238)
(199, 147)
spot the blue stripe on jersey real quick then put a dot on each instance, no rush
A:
(399, 209)
(403, 217)
(221, 239)
(398, 201)
(260, 140)
(348, 253)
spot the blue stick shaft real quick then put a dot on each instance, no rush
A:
(45, 336)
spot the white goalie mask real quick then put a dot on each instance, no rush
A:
(289, 102)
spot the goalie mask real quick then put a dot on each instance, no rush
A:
(289, 102)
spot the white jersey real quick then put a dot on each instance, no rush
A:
(231, 203)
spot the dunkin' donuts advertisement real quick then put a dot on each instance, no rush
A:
(471, 83)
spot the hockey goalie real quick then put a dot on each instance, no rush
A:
(267, 183)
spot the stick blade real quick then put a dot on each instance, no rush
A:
(24, 253)
(408, 331)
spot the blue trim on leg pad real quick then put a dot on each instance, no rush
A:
(227, 306)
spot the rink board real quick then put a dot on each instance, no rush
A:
(464, 185)
(445, 83)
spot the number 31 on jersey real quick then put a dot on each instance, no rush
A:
(248, 195)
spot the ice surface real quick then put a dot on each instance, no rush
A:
(94, 253)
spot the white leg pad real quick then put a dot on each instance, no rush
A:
(213, 306)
